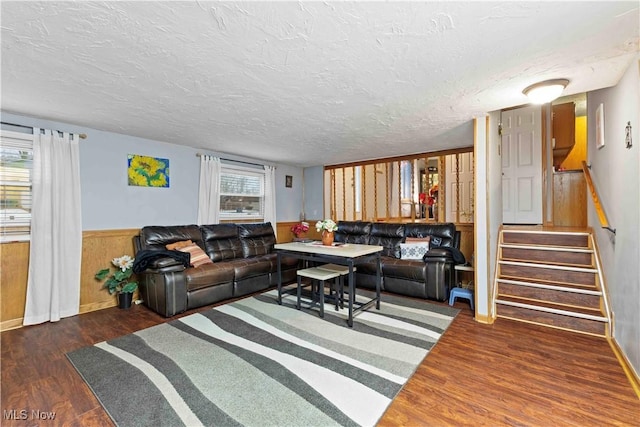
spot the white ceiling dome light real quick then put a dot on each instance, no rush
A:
(547, 91)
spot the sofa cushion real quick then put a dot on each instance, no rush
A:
(389, 236)
(208, 275)
(198, 257)
(256, 239)
(413, 250)
(221, 241)
(249, 267)
(356, 232)
(158, 237)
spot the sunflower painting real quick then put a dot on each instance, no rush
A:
(145, 171)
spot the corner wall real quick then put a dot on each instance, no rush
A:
(616, 173)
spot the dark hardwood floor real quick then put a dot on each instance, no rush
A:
(508, 373)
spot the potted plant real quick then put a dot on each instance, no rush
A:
(119, 281)
(327, 227)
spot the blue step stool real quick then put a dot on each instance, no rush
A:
(461, 293)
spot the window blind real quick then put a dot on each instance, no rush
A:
(16, 165)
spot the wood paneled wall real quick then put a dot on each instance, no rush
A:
(466, 239)
(569, 199)
(98, 249)
(14, 266)
(284, 234)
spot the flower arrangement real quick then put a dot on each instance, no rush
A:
(300, 228)
(118, 282)
(326, 225)
(433, 195)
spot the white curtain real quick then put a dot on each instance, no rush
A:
(53, 286)
(209, 191)
(270, 195)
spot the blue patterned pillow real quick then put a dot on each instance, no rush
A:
(413, 250)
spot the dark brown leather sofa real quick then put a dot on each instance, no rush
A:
(243, 262)
(430, 277)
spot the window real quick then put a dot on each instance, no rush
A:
(241, 194)
(16, 164)
(406, 179)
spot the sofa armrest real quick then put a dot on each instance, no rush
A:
(444, 254)
(165, 264)
(164, 290)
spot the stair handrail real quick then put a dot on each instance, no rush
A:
(602, 216)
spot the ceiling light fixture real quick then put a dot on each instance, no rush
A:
(547, 91)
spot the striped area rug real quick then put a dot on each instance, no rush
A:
(255, 363)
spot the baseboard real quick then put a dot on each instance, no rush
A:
(11, 324)
(7, 325)
(95, 306)
(631, 374)
(482, 318)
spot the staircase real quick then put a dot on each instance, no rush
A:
(551, 278)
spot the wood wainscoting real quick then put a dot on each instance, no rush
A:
(98, 249)
(14, 267)
(569, 199)
(284, 234)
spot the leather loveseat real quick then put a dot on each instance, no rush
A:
(243, 262)
(427, 276)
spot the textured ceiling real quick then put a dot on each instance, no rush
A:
(302, 83)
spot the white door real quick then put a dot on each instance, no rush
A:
(464, 166)
(522, 166)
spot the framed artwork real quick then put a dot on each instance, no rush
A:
(145, 171)
(600, 126)
(288, 181)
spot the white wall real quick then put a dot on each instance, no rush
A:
(288, 200)
(494, 197)
(313, 192)
(108, 202)
(616, 173)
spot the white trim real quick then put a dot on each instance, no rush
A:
(550, 287)
(554, 311)
(575, 249)
(550, 267)
(566, 233)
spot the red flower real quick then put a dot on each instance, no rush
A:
(300, 228)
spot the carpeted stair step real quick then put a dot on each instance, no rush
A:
(546, 238)
(568, 256)
(581, 320)
(573, 296)
(557, 274)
